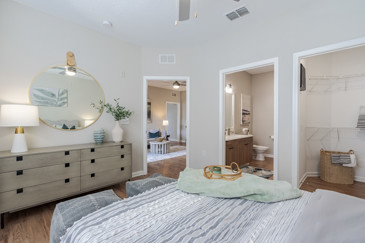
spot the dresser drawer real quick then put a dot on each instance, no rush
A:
(105, 178)
(103, 164)
(95, 153)
(29, 196)
(38, 160)
(31, 177)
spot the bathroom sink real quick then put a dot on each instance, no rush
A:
(237, 136)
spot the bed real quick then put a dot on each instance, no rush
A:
(166, 214)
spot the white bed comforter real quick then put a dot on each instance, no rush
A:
(166, 214)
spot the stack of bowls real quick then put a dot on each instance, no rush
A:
(99, 136)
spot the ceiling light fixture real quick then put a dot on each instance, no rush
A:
(176, 85)
(229, 88)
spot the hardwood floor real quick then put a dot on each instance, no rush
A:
(312, 183)
(32, 225)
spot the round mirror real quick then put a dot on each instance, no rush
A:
(65, 96)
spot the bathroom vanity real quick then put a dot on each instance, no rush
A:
(239, 149)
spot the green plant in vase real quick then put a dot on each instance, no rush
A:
(119, 113)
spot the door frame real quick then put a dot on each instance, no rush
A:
(222, 80)
(295, 108)
(178, 118)
(144, 114)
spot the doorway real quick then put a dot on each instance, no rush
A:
(326, 109)
(166, 112)
(243, 102)
(173, 118)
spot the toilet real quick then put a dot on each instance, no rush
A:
(260, 150)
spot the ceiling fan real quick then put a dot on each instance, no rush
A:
(183, 10)
(177, 85)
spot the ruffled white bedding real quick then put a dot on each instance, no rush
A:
(166, 214)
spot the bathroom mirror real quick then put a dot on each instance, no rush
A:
(229, 111)
(64, 95)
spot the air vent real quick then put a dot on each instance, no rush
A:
(237, 13)
(167, 58)
(232, 15)
(242, 11)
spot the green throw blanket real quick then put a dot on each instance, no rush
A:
(248, 186)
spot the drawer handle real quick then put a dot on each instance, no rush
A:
(19, 172)
(231, 148)
(20, 190)
(92, 150)
(122, 146)
(92, 175)
(247, 143)
(67, 152)
(122, 156)
(19, 158)
(122, 168)
(92, 161)
(67, 165)
(67, 180)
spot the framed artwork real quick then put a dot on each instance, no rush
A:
(149, 113)
(54, 97)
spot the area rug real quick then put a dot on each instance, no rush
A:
(257, 171)
(174, 151)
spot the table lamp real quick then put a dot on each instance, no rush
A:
(19, 116)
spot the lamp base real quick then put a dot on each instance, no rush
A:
(19, 144)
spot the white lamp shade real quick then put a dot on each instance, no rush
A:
(165, 123)
(14, 115)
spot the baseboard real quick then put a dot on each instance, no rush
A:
(317, 174)
(269, 155)
(302, 179)
(307, 174)
(138, 173)
(359, 178)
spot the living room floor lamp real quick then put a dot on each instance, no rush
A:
(19, 116)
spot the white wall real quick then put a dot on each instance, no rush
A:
(317, 24)
(158, 98)
(263, 110)
(31, 41)
(332, 107)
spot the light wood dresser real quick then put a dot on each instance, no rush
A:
(47, 174)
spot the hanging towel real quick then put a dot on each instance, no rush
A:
(353, 161)
(340, 159)
(361, 120)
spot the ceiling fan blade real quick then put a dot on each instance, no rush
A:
(183, 9)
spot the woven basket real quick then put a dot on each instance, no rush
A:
(335, 173)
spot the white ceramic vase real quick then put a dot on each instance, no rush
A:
(117, 133)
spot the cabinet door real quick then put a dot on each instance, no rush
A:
(247, 154)
(230, 152)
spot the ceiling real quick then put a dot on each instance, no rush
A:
(151, 22)
(164, 84)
